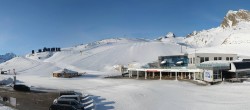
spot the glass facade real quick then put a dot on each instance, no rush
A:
(173, 61)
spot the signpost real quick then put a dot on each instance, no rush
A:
(208, 75)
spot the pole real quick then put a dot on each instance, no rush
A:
(137, 75)
(176, 76)
(189, 76)
(129, 74)
(194, 76)
(14, 81)
(160, 75)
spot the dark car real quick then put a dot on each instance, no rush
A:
(71, 102)
(62, 107)
(21, 87)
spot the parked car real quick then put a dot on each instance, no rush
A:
(76, 97)
(70, 93)
(21, 87)
(62, 107)
(71, 102)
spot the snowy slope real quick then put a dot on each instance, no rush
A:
(170, 38)
(233, 30)
(26, 66)
(104, 56)
(101, 56)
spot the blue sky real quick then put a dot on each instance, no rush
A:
(32, 24)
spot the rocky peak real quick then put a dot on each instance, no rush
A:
(192, 34)
(170, 35)
(234, 17)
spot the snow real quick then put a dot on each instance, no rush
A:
(103, 58)
(132, 94)
(5, 80)
(99, 59)
(237, 34)
(5, 107)
(64, 71)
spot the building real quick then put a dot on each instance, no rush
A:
(65, 73)
(213, 70)
(173, 61)
(209, 67)
(197, 58)
(238, 71)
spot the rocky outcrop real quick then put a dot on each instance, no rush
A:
(170, 35)
(234, 17)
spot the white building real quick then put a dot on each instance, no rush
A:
(197, 58)
(208, 67)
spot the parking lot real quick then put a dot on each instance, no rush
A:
(30, 100)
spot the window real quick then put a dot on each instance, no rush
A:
(215, 58)
(73, 103)
(231, 58)
(217, 75)
(202, 59)
(219, 58)
(63, 102)
(194, 60)
(227, 58)
(206, 58)
(191, 62)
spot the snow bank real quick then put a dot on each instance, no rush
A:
(5, 107)
(5, 80)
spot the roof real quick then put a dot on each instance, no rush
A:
(213, 53)
(166, 70)
(65, 71)
(242, 65)
(176, 55)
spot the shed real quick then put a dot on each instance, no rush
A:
(66, 73)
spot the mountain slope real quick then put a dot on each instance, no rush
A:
(104, 57)
(170, 38)
(101, 56)
(233, 30)
(6, 57)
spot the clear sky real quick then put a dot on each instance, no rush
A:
(32, 24)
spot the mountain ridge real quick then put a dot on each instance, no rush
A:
(233, 30)
(6, 57)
